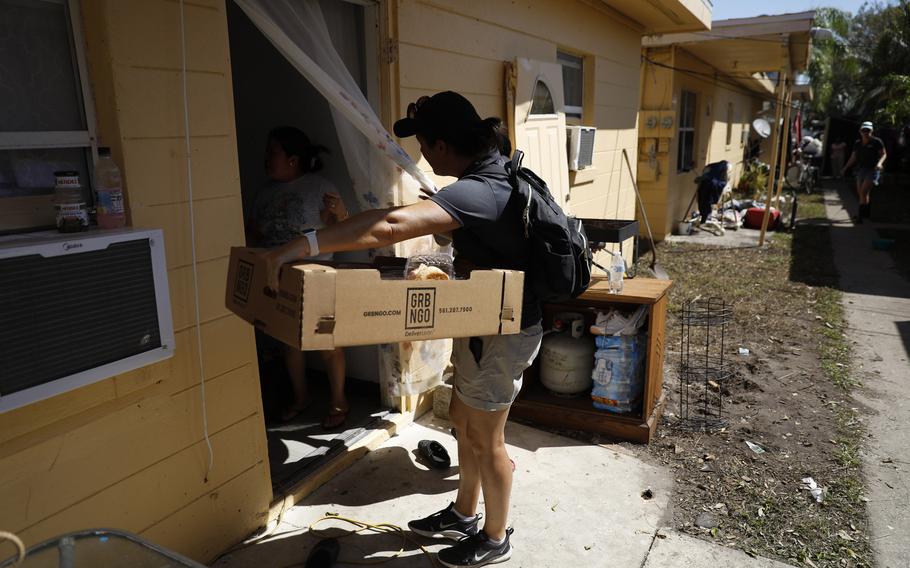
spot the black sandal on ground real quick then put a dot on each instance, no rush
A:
(335, 418)
(435, 455)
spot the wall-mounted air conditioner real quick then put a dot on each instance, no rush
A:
(581, 147)
(79, 308)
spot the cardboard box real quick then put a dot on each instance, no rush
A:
(322, 307)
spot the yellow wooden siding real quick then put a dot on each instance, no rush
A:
(128, 452)
(174, 418)
(219, 226)
(158, 169)
(462, 46)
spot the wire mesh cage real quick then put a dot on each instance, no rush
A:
(703, 370)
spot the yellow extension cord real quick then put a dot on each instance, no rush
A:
(20, 546)
(381, 528)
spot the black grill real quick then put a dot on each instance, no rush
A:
(65, 314)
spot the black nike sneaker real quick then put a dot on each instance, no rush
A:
(476, 550)
(445, 523)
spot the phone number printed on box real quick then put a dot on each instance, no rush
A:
(456, 310)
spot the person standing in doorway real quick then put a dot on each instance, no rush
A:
(297, 200)
(487, 232)
(838, 155)
(869, 157)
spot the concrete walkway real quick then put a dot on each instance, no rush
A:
(573, 505)
(877, 306)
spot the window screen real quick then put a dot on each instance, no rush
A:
(685, 157)
(43, 124)
(572, 82)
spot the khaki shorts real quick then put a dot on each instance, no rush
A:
(488, 369)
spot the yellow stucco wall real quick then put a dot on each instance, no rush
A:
(128, 452)
(718, 104)
(462, 46)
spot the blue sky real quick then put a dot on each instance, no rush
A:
(725, 9)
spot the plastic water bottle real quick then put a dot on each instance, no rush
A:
(617, 268)
(69, 203)
(109, 188)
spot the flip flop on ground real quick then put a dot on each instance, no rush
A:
(335, 418)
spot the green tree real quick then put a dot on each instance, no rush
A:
(833, 69)
(865, 71)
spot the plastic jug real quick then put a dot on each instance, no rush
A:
(109, 188)
(617, 268)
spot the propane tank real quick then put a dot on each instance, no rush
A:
(567, 356)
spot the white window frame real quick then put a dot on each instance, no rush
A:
(85, 139)
(730, 113)
(680, 167)
(568, 59)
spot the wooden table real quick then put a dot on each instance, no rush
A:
(538, 405)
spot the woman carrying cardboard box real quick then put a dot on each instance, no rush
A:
(488, 233)
(297, 199)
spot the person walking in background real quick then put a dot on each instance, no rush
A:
(869, 157)
(296, 200)
(838, 155)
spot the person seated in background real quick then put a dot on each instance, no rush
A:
(297, 200)
(838, 157)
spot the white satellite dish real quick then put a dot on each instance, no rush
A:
(762, 127)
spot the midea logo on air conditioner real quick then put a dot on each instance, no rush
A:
(421, 308)
(72, 246)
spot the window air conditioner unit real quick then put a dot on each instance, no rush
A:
(581, 147)
(79, 308)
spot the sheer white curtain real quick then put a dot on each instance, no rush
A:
(375, 161)
(298, 31)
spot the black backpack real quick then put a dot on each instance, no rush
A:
(561, 257)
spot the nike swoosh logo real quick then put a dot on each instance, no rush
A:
(479, 557)
(444, 526)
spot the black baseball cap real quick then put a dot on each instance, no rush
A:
(442, 115)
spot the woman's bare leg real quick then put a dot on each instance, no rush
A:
(296, 366)
(483, 432)
(335, 367)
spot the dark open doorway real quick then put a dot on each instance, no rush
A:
(269, 92)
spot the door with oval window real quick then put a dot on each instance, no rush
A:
(537, 122)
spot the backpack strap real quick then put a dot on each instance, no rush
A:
(514, 167)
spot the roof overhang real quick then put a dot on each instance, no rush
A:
(744, 47)
(665, 16)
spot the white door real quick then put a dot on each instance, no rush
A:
(540, 123)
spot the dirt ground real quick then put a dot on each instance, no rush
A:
(780, 399)
(789, 395)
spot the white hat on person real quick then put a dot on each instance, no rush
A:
(865, 125)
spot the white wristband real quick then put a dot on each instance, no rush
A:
(311, 239)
